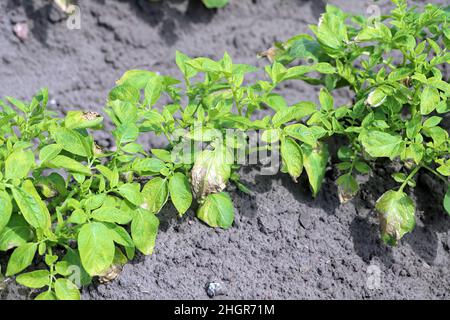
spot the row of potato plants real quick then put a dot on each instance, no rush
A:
(84, 211)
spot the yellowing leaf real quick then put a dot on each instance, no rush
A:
(396, 214)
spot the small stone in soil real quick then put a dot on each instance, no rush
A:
(214, 289)
(21, 30)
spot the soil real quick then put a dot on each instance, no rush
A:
(284, 244)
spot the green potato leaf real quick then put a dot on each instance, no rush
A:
(111, 214)
(381, 144)
(35, 279)
(447, 201)
(213, 4)
(33, 209)
(155, 194)
(309, 135)
(96, 247)
(296, 112)
(5, 209)
(429, 99)
(217, 210)
(131, 192)
(18, 164)
(66, 290)
(69, 164)
(292, 157)
(16, 233)
(75, 267)
(180, 192)
(47, 295)
(144, 229)
(72, 141)
(315, 160)
(49, 152)
(21, 258)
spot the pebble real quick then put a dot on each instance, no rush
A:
(214, 289)
(306, 221)
(21, 30)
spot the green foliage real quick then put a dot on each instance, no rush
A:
(398, 103)
(211, 4)
(59, 189)
(85, 210)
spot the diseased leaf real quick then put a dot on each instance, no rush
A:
(211, 172)
(347, 187)
(82, 120)
(396, 214)
(155, 194)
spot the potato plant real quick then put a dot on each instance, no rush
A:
(65, 200)
(84, 211)
(393, 64)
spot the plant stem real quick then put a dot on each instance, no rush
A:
(436, 173)
(409, 177)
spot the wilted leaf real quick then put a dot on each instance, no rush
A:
(396, 214)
